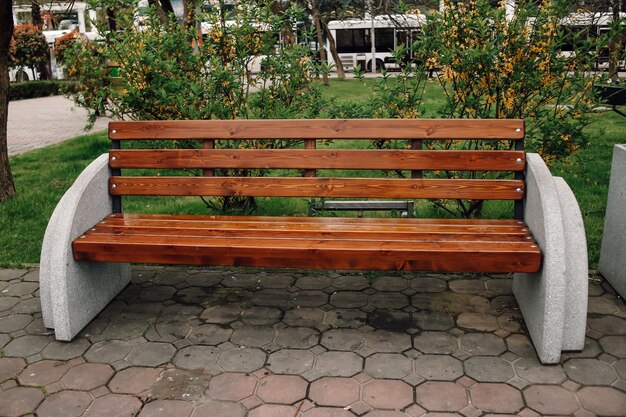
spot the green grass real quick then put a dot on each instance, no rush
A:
(42, 176)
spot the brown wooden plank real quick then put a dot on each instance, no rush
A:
(319, 187)
(277, 233)
(437, 256)
(323, 220)
(301, 224)
(510, 129)
(319, 159)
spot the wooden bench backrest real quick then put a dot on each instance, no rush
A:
(310, 159)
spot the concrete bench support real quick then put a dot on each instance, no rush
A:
(73, 293)
(554, 300)
(613, 253)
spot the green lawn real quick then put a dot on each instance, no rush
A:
(42, 176)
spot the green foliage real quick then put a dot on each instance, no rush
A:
(499, 67)
(34, 89)
(28, 47)
(62, 43)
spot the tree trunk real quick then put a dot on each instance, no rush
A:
(320, 39)
(7, 188)
(332, 45)
(44, 67)
(111, 21)
(616, 42)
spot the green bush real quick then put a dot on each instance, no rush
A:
(34, 89)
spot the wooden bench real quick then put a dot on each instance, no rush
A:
(407, 244)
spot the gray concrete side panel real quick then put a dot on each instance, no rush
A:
(576, 269)
(613, 252)
(541, 295)
(75, 292)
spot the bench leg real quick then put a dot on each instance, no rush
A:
(73, 293)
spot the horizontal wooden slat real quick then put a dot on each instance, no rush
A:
(319, 187)
(321, 224)
(319, 159)
(509, 129)
(311, 253)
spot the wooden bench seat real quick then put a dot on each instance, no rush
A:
(92, 237)
(301, 242)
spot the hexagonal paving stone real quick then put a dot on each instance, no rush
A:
(297, 337)
(313, 282)
(157, 293)
(43, 373)
(351, 283)
(20, 288)
(181, 384)
(450, 302)
(282, 389)
(151, 354)
(87, 376)
(65, 351)
(168, 331)
(496, 398)
(481, 322)
(386, 341)
(327, 412)
(10, 367)
(337, 392)
(18, 401)
(441, 396)
(134, 380)
(438, 367)
(387, 394)
(603, 401)
(242, 360)
(290, 361)
(534, 372)
(338, 364)
(170, 277)
(488, 369)
(345, 318)
(14, 322)
(428, 284)
(433, 320)
(219, 409)
(114, 405)
(608, 325)
(108, 351)
(276, 281)
(388, 365)
(482, 344)
(589, 371)
(521, 345)
(550, 399)
(308, 298)
(467, 286)
(231, 386)
(343, 339)
(272, 298)
(348, 299)
(64, 404)
(305, 316)
(390, 284)
(435, 342)
(261, 316)
(197, 357)
(167, 408)
(389, 300)
(241, 280)
(393, 320)
(619, 366)
(25, 346)
(221, 314)
(7, 303)
(500, 286)
(273, 410)
(209, 334)
(256, 336)
(122, 329)
(614, 345)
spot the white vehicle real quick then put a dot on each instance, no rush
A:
(354, 39)
(58, 20)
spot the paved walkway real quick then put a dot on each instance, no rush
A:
(40, 122)
(248, 342)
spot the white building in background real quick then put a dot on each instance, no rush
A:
(59, 18)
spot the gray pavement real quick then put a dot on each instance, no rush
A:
(40, 122)
(246, 342)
